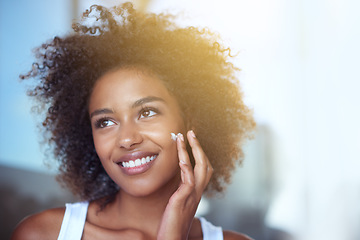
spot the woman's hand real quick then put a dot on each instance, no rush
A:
(180, 210)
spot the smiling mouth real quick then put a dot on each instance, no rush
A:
(138, 162)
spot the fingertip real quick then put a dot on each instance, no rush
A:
(192, 134)
(181, 137)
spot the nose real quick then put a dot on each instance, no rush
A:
(129, 136)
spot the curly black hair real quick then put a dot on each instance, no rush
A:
(191, 62)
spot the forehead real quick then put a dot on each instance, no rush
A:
(125, 86)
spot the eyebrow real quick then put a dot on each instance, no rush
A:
(136, 104)
(146, 100)
(101, 111)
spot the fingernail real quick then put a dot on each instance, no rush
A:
(192, 134)
(182, 161)
(181, 136)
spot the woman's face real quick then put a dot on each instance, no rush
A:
(132, 115)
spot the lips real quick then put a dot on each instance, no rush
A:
(136, 159)
(138, 162)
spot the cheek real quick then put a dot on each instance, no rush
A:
(161, 133)
(102, 146)
(162, 137)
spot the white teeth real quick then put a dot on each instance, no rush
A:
(138, 162)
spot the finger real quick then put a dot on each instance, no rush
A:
(182, 152)
(203, 169)
(210, 171)
(187, 175)
(187, 185)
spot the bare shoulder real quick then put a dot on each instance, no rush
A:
(43, 225)
(230, 235)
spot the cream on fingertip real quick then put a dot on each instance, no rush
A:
(179, 135)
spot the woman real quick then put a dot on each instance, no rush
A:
(124, 99)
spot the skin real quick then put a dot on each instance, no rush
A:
(132, 114)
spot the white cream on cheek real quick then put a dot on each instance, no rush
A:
(174, 136)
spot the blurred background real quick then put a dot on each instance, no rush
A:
(300, 74)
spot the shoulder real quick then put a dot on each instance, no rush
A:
(230, 235)
(43, 225)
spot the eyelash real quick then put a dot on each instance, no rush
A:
(100, 121)
(148, 109)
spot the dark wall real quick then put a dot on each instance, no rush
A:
(23, 193)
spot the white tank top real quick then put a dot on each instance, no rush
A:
(75, 216)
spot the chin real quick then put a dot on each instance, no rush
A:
(148, 189)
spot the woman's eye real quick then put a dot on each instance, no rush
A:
(102, 123)
(147, 113)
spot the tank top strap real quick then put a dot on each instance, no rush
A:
(210, 232)
(74, 220)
